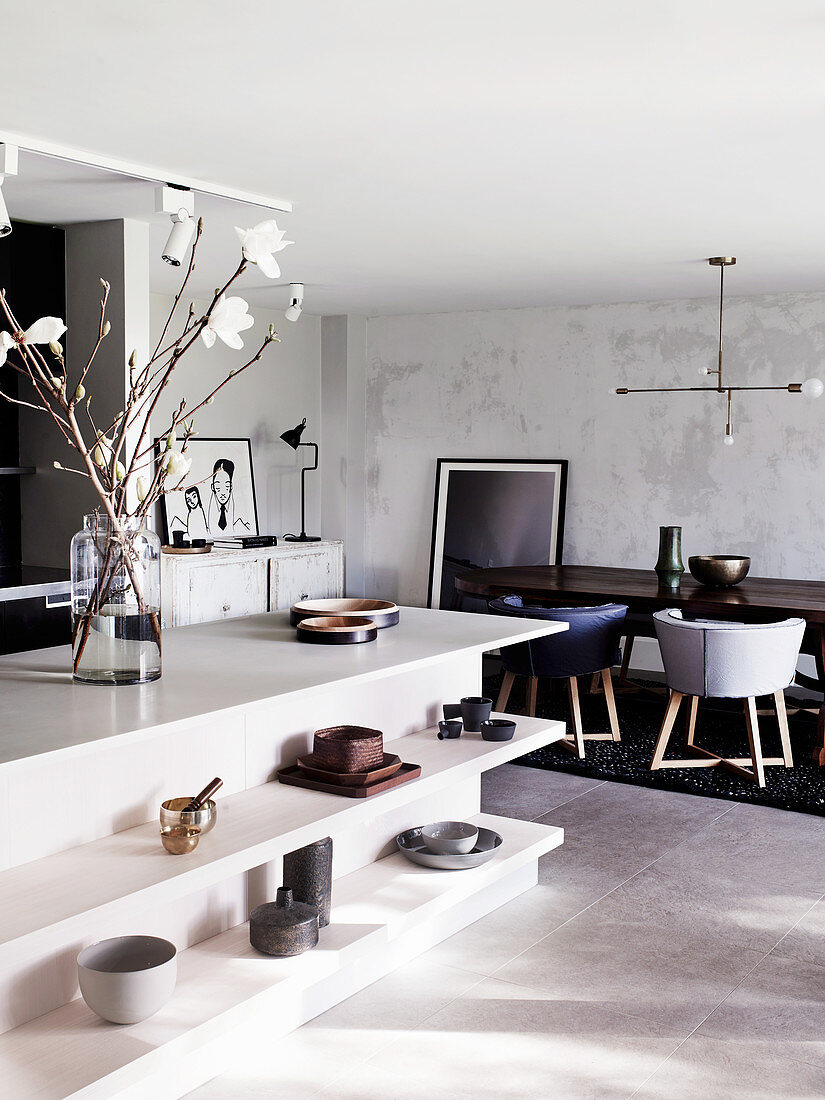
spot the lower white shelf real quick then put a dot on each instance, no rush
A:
(383, 914)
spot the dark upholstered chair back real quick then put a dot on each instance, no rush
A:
(590, 644)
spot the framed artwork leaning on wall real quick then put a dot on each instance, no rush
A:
(217, 496)
(493, 512)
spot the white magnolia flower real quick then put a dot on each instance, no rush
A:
(102, 454)
(142, 488)
(260, 243)
(177, 465)
(6, 342)
(44, 331)
(229, 317)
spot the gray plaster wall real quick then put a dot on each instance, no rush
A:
(534, 383)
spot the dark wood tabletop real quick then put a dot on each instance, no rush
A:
(639, 588)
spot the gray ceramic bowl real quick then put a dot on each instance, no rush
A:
(718, 570)
(450, 838)
(412, 847)
(497, 729)
(128, 978)
(171, 814)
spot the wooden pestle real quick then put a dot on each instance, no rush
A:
(195, 804)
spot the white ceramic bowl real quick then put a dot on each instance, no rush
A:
(453, 838)
(128, 978)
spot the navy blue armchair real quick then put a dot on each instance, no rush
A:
(589, 645)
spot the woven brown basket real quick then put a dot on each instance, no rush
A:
(348, 748)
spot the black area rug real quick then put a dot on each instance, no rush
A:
(720, 727)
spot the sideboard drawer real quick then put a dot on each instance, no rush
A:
(218, 592)
(307, 575)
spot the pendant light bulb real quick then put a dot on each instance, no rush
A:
(728, 440)
(812, 388)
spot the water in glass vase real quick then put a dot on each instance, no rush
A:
(115, 603)
(119, 645)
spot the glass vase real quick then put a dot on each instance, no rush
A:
(115, 602)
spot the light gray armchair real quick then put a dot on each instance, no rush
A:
(709, 659)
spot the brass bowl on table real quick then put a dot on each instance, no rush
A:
(718, 570)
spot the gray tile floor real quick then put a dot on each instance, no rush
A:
(675, 948)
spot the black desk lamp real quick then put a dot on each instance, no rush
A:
(293, 439)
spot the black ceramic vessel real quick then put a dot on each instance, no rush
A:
(449, 729)
(308, 871)
(497, 729)
(283, 927)
(475, 709)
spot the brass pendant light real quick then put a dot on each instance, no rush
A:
(811, 388)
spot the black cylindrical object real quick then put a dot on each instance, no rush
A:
(308, 871)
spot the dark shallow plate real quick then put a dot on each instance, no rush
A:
(414, 848)
(337, 630)
(294, 777)
(389, 767)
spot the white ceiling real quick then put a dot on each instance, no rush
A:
(459, 154)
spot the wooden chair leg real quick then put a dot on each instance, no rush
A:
(504, 694)
(594, 683)
(610, 699)
(691, 721)
(673, 705)
(576, 714)
(753, 737)
(626, 653)
(784, 732)
(532, 695)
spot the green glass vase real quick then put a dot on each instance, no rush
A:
(669, 567)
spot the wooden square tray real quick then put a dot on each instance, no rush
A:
(294, 777)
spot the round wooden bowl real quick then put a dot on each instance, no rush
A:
(188, 549)
(381, 612)
(337, 630)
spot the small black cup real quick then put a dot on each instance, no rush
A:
(178, 537)
(449, 729)
(475, 709)
(451, 710)
(497, 729)
(198, 543)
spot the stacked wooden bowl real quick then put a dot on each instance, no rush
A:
(342, 622)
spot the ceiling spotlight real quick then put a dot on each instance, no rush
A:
(296, 299)
(179, 204)
(8, 167)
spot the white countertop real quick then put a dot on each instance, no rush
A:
(217, 667)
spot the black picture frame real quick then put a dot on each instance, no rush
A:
(552, 539)
(205, 451)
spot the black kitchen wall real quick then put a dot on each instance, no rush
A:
(33, 274)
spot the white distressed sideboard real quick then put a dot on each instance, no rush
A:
(225, 584)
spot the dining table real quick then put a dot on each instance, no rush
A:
(755, 599)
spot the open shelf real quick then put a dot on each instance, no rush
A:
(47, 902)
(11, 471)
(381, 913)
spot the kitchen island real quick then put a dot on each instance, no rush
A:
(239, 699)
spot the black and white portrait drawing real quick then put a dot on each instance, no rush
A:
(217, 497)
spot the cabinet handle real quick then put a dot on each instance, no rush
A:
(305, 595)
(227, 607)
